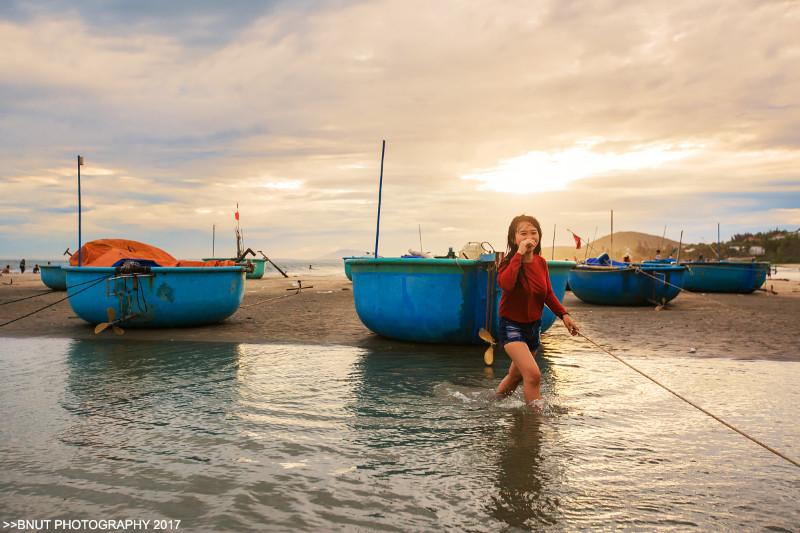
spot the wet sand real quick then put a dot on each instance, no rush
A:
(758, 326)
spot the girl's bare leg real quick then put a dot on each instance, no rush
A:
(510, 382)
(523, 366)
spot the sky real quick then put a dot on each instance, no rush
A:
(681, 114)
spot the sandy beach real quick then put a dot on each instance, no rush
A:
(761, 325)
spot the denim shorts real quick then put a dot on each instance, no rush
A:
(510, 331)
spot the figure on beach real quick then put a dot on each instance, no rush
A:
(7, 269)
(36, 268)
(658, 255)
(22, 266)
(627, 258)
(525, 281)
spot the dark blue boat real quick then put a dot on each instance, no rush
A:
(725, 276)
(628, 284)
(54, 277)
(157, 296)
(435, 300)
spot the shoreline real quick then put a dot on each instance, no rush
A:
(754, 326)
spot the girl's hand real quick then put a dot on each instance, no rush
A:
(526, 246)
(570, 324)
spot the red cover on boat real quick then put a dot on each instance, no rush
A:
(114, 252)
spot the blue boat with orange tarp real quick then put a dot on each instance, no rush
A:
(725, 276)
(132, 284)
(435, 300)
(605, 282)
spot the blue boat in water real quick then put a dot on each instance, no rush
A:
(435, 300)
(626, 283)
(155, 296)
(725, 276)
(54, 277)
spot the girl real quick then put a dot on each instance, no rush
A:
(526, 288)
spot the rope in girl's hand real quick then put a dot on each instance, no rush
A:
(699, 408)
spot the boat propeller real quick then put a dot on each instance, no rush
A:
(111, 322)
(488, 356)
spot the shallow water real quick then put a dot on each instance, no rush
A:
(237, 437)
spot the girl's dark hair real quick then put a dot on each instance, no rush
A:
(511, 245)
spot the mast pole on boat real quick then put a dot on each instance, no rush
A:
(80, 163)
(719, 247)
(238, 233)
(611, 251)
(553, 250)
(680, 245)
(380, 190)
(663, 235)
(213, 239)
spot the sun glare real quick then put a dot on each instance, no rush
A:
(554, 171)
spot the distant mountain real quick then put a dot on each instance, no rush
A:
(341, 252)
(639, 245)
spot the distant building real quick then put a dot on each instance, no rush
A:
(777, 237)
(757, 250)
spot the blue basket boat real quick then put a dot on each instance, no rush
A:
(435, 300)
(54, 277)
(725, 276)
(156, 296)
(645, 284)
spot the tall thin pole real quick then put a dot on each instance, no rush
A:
(553, 251)
(663, 235)
(719, 247)
(213, 239)
(611, 252)
(380, 191)
(680, 244)
(80, 237)
(420, 238)
(589, 245)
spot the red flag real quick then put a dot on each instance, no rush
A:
(577, 241)
(237, 218)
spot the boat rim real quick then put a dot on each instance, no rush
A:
(186, 270)
(435, 261)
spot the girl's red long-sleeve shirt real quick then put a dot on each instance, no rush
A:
(526, 289)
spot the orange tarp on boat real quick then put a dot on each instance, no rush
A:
(114, 252)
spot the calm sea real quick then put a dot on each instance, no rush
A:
(243, 437)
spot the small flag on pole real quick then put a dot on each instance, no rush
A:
(577, 241)
(236, 216)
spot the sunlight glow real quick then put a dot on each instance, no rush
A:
(553, 171)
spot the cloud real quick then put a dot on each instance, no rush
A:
(182, 110)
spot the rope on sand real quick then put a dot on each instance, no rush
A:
(27, 297)
(93, 283)
(699, 408)
(268, 300)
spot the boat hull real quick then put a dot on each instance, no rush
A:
(434, 300)
(723, 276)
(627, 286)
(54, 277)
(163, 297)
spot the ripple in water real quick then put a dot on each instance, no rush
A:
(270, 437)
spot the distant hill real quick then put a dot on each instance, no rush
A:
(639, 245)
(341, 252)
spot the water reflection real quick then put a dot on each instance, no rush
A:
(526, 495)
(148, 390)
(438, 402)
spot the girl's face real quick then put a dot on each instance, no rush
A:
(526, 230)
